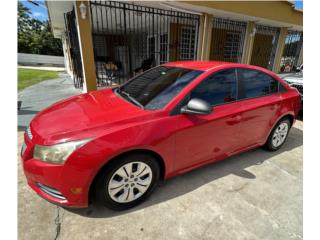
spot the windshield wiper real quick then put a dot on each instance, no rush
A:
(130, 98)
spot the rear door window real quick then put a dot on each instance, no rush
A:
(253, 83)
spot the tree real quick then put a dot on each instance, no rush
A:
(23, 18)
(35, 36)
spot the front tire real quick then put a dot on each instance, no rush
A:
(278, 135)
(127, 181)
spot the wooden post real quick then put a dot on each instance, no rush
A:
(86, 47)
(248, 43)
(279, 51)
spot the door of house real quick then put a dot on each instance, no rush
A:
(158, 48)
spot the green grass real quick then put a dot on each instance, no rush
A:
(29, 77)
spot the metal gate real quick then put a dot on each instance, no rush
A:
(227, 40)
(265, 46)
(74, 48)
(129, 39)
(291, 52)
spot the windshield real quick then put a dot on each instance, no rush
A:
(155, 88)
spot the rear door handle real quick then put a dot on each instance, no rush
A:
(236, 117)
(274, 106)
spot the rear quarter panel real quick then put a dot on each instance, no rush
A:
(290, 105)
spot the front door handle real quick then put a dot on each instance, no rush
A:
(234, 120)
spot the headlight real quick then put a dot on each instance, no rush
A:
(58, 153)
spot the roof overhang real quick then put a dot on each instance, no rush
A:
(274, 13)
(56, 11)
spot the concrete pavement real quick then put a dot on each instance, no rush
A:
(255, 195)
(39, 96)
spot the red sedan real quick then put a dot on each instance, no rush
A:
(113, 146)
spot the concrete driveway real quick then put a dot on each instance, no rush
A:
(255, 195)
(39, 96)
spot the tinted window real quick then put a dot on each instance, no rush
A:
(254, 83)
(219, 88)
(274, 85)
(282, 88)
(156, 87)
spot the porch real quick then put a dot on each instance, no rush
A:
(118, 40)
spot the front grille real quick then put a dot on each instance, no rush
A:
(29, 133)
(299, 87)
(51, 191)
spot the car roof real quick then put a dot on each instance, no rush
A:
(199, 65)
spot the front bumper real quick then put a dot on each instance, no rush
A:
(55, 183)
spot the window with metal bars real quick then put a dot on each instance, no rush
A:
(231, 46)
(291, 51)
(265, 46)
(187, 43)
(164, 51)
(227, 40)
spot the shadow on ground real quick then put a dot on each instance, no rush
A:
(300, 116)
(188, 182)
(21, 128)
(25, 111)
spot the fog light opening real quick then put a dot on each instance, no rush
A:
(76, 190)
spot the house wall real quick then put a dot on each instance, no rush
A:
(66, 54)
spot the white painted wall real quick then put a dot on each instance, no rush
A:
(35, 59)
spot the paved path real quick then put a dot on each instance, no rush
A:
(41, 95)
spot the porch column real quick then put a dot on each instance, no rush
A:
(280, 48)
(200, 37)
(86, 47)
(208, 36)
(248, 43)
(205, 37)
(300, 59)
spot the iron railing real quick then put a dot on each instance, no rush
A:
(130, 38)
(72, 40)
(265, 46)
(227, 40)
(291, 52)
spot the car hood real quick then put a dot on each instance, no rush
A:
(83, 116)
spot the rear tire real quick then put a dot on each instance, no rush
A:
(127, 181)
(278, 135)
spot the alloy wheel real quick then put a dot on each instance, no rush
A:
(280, 134)
(130, 182)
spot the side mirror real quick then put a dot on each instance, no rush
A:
(197, 106)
